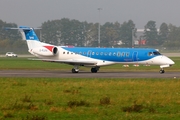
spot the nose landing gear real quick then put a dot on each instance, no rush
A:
(161, 71)
(162, 68)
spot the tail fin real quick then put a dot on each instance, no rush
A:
(30, 36)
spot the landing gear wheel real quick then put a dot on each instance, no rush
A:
(161, 71)
(74, 71)
(93, 70)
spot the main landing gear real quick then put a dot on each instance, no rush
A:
(93, 70)
(75, 69)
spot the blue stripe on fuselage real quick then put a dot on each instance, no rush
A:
(114, 54)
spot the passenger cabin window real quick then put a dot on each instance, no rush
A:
(123, 54)
(114, 54)
(127, 54)
(118, 54)
(92, 53)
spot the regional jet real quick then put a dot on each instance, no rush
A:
(92, 57)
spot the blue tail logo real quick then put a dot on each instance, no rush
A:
(29, 33)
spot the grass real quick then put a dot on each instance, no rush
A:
(87, 99)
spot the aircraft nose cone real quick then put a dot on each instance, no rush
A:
(172, 62)
(168, 60)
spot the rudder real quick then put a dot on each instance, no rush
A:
(30, 36)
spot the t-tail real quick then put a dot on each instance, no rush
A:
(30, 36)
(36, 47)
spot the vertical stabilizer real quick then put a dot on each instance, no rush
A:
(30, 36)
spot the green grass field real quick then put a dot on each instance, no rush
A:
(87, 98)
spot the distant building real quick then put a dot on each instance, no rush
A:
(140, 42)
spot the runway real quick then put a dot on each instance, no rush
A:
(84, 74)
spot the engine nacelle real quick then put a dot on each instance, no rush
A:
(45, 51)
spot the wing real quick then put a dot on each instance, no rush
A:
(70, 61)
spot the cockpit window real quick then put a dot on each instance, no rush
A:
(156, 53)
(150, 53)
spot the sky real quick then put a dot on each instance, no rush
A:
(35, 12)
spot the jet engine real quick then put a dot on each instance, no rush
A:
(45, 51)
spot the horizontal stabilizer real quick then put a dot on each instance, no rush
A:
(20, 28)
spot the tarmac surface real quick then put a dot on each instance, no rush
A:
(85, 74)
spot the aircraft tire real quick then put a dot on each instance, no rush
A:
(93, 70)
(161, 71)
(74, 71)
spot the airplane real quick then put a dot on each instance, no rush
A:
(91, 57)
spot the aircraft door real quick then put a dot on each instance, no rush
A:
(135, 56)
(89, 53)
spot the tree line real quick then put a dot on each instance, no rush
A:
(73, 32)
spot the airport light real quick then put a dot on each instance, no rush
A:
(132, 32)
(99, 37)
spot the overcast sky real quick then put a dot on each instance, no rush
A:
(34, 12)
